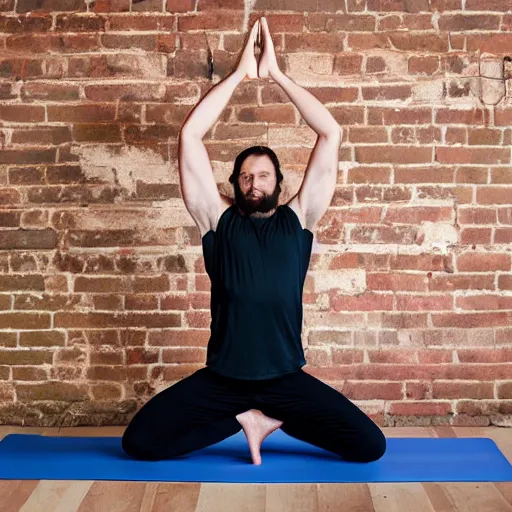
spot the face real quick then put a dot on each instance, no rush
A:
(257, 189)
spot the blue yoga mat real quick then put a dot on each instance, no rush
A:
(285, 460)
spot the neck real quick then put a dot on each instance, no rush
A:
(260, 215)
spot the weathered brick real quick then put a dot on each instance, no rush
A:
(86, 286)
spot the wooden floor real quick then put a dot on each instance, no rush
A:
(90, 496)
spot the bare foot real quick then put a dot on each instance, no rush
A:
(257, 427)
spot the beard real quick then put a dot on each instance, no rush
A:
(263, 203)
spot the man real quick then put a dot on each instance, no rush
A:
(257, 255)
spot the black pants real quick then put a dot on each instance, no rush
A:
(200, 410)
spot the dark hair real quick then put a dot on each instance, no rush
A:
(256, 150)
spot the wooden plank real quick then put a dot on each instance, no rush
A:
(292, 498)
(231, 498)
(475, 497)
(399, 496)
(14, 493)
(438, 497)
(176, 497)
(114, 497)
(505, 489)
(56, 496)
(344, 498)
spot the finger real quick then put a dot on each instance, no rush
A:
(255, 28)
(264, 24)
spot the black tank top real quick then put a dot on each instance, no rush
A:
(257, 268)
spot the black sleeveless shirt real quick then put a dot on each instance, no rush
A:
(257, 268)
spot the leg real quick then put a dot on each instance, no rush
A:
(196, 412)
(314, 412)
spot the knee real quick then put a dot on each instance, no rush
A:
(138, 446)
(373, 447)
(367, 448)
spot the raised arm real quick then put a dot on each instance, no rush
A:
(198, 187)
(319, 181)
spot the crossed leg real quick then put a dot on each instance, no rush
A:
(318, 414)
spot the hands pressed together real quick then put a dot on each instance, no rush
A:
(259, 39)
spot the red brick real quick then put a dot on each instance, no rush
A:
(399, 116)
(503, 236)
(375, 64)
(81, 113)
(503, 116)
(347, 64)
(222, 19)
(460, 155)
(386, 92)
(484, 302)
(494, 195)
(324, 42)
(490, 5)
(368, 42)
(393, 22)
(471, 175)
(183, 355)
(369, 135)
(447, 115)
(364, 302)
(178, 5)
(403, 154)
(501, 175)
(475, 236)
(484, 136)
(329, 94)
(427, 65)
(454, 390)
(355, 390)
(417, 214)
(416, 134)
(483, 262)
(426, 408)
(424, 174)
(476, 215)
(49, 6)
(419, 42)
(398, 5)
(470, 320)
(424, 302)
(22, 113)
(504, 282)
(471, 282)
(120, 22)
(320, 22)
(384, 234)
(497, 43)
(455, 135)
(26, 23)
(268, 114)
(465, 22)
(457, 41)
(111, 6)
(446, 5)
(381, 194)
(80, 23)
(280, 22)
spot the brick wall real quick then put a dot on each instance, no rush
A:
(104, 299)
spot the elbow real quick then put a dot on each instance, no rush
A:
(189, 132)
(333, 135)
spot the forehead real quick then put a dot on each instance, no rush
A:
(257, 163)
